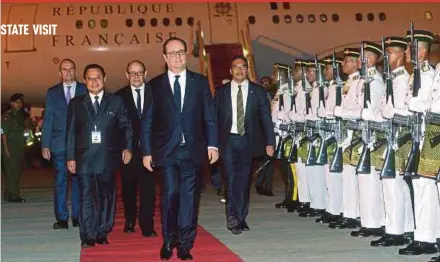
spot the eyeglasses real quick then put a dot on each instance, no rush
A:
(239, 67)
(133, 74)
(177, 53)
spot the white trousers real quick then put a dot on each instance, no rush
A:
(399, 217)
(303, 185)
(316, 180)
(350, 192)
(426, 210)
(371, 206)
(334, 189)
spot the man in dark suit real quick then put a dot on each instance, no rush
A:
(54, 142)
(137, 97)
(178, 135)
(245, 131)
(94, 123)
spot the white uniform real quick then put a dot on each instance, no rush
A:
(426, 205)
(399, 217)
(316, 174)
(435, 108)
(298, 116)
(333, 180)
(350, 109)
(372, 211)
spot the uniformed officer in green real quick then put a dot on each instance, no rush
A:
(13, 125)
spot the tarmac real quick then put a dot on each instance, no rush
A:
(275, 235)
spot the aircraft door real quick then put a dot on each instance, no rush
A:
(21, 14)
(223, 23)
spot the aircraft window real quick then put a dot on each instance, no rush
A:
(153, 22)
(273, 6)
(287, 19)
(251, 19)
(275, 19)
(190, 21)
(323, 18)
(128, 22)
(79, 24)
(92, 24)
(382, 17)
(370, 17)
(311, 18)
(299, 18)
(335, 18)
(428, 15)
(286, 5)
(104, 23)
(358, 17)
(178, 21)
(141, 22)
(166, 21)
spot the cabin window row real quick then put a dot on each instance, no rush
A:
(141, 22)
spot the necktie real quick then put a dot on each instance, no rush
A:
(96, 104)
(240, 112)
(138, 101)
(177, 95)
(68, 96)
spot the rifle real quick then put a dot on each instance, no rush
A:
(322, 152)
(433, 118)
(389, 166)
(337, 164)
(364, 164)
(414, 156)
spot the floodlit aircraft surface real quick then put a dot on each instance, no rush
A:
(112, 34)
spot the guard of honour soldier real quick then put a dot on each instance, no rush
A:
(361, 154)
(367, 148)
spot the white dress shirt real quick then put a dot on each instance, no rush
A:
(135, 94)
(100, 95)
(234, 92)
(182, 82)
(72, 89)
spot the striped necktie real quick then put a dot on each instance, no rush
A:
(240, 112)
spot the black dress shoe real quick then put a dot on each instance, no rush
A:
(418, 248)
(388, 240)
(312, 213)
(129, 227)
(102, 241)
(344, 223)
(75, 222)
(60, 225)
(17, 200)
(149, 234)
(281, 205)
(184, 254)
(324, 219)
(303, 207)
(435, 259)
(292, 206)
(166, 252)
(236, 230)
(368, 232)
(244, 226)
(87, 243)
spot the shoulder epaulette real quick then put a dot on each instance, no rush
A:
(398, 73)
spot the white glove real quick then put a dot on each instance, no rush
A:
(388, 110)
(345, 144)
(292, 116)
(321, 110)
(281, 115)
(367, 114)
(435, 107)
(415, 105)
(337, 111)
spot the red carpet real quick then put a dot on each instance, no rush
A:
(133, 247)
